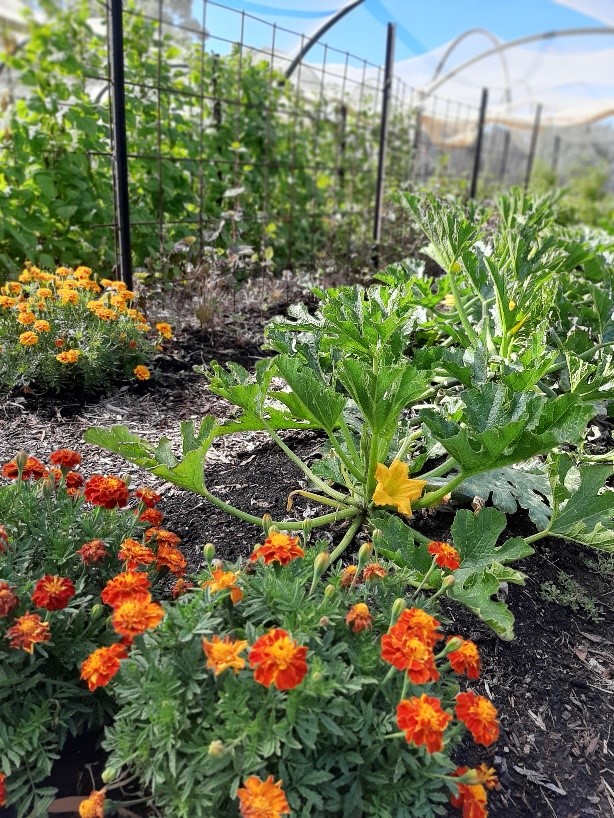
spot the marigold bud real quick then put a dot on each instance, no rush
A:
(364, 554)
(320, 564)
(109, 775)
(451, 645)
(96, 611)
(267, 522)
(316, 677)
(209, 551)
(377, 536)
(125, 478)
(20, 460)
(217, 565)
(448, 582)
(48, 487)
(216, 748)
(398, 606)
(324, 622)
(329, 592)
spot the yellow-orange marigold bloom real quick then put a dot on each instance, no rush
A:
(278, 547)
(418, 623)
(471, 798)
(69, 356)
(133, 553)
(423, 720)
(64, 272)
(372, 570)
(68, 296)
(162, 537)
(223, 654)
(102, 665)
(27, 631)
(44, 292)
(359, 617)
(224, 581)
(487, 776)
(134, 617)
(28, 339)
(53, 593)
(479, 716)
(147, 496)
(41, 326)
(125, 586)
(410, 654)
(142, 373)
(25, 277)
(105, 314)
(395, 488)
(83, 272)
(106, 491)
(66, 458)
(2, 790)
(170, 557)
(13, 287)
(165, 330)
(347, 575)
(262, 799)
(6, 301)
(93, 806)
(26, 318)
(445, 555)
(465, 659)
(278, 660)
(93, 551)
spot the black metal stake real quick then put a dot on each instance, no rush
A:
(556, 151)
(534, 135)
(120, 150)
(507, 138)
(383, 138)
(478, 145)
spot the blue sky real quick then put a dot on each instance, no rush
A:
(422, 24)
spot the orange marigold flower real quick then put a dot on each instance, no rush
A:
(74, 480)
(6, 301)
(479, 716)
(487, 776)
(26, 317)
(262, 799)
(169, 557)
(133, 553)
(223, 581)
(125, 586)
(93, 551)
(83, 272)
(70, 356)
(53, 593)
(162, 537)
(471, 798)
(4, 539)
(28, 339)
(444, 554)
(32, 468)
(423, 720)
(165, 330)
(224, 653)
(41, 326)
(2, 790)
(93, 806)
(73, 493)
(395, 487)
(410, 654)
(8, 598)
(151, 516)
(135, 616)
(147, 496)
(347, 575)
(64, 272)
(27, 631)
(278, 660)
(465, 659)
(101, 665)
(68, 295)
(66, 458)
(180, 587)
(108, 492)
(59, 343)
(278, 547)
(44, 292)
(12, 287)
(372, 570)
(142, 373)
(359, 617)
(418, 623)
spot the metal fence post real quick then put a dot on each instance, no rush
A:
(534, 135)
(478, 145)
(383, 134)
(507, 138)
(120, 150)
(556, 152)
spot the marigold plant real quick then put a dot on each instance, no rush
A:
(65, 330)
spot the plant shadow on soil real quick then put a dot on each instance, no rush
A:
(553, 684)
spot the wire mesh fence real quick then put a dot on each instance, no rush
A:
(224, 153)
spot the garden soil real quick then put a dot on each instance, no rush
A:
(553, 685)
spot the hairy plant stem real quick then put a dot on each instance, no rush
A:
(440, 470)
(407, 441)
(347, 462)
(326, 501)
(344, 514)
(458, 303)
(349, 440)
(434, 497)
(538, 536)
(347, 537)
(424, 578)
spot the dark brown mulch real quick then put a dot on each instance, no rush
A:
(553, 685)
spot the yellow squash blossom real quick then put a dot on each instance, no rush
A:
(395, 487)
